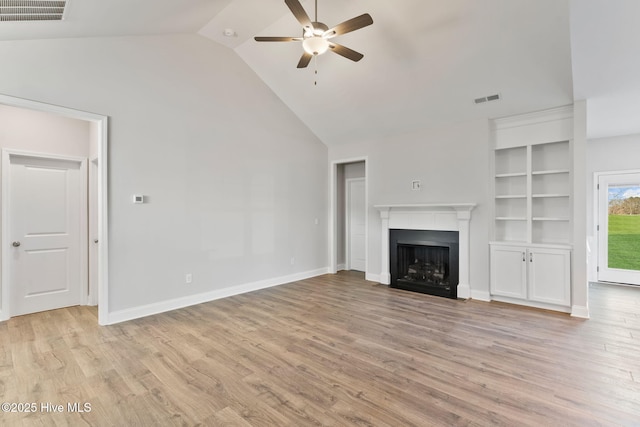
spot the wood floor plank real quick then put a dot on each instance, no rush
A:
(333, 350)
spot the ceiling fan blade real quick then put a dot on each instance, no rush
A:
(299, 12)
(304, 60)
(350, 25)
(277, 39)
(346, 52)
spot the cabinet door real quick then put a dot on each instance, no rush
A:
(508, 271)
(550, 276)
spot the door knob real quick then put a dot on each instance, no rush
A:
(15, 244)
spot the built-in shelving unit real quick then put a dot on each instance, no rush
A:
(532, 190)
(533, 193)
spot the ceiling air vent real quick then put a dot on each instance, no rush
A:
(489, 98)
(31, 10)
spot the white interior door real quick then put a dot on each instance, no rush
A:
(356, 214)
(619, 228)
(47, 209)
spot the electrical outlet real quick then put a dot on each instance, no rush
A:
(188, 278)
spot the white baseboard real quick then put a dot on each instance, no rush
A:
(463, 291)
(529, 303)
(341, 267)
(580, 311)
(372, 277)
(174, 304)
(481, 295)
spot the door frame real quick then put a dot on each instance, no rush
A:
(596, 216)
(333, 213)
(347, 219)
(5, 239)
(92, 227)
(101, 123)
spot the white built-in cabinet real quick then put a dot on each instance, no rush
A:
(532, 230)
(536, 274)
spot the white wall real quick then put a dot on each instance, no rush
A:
(620, 153)
(452, 163)
(39, 132)
(234, 180)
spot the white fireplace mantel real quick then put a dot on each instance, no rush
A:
(433, 216)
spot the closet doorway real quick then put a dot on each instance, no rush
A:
(349, 240)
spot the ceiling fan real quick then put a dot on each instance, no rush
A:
(316, 35)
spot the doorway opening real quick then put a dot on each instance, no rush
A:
(618, 227)
(94, 228)
(349, 215)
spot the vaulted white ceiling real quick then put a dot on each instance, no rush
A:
(425, 60)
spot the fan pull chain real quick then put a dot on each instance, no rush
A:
(315, 72)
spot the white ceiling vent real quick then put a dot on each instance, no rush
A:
(488, 98)
(32, 10)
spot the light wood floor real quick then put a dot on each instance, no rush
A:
(334, 350)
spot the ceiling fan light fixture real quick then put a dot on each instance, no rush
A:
(315, 45)
(315, 34)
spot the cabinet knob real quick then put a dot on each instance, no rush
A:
(523, 257)
(530, 257)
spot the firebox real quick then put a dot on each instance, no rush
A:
(424, 261)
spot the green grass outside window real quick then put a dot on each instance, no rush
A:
(624, 242)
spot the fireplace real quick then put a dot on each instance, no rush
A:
(424, 261)
(438, 217)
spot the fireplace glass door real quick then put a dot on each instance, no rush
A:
(424, 261)
(424, 265)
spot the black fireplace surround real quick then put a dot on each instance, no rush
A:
(424, 261)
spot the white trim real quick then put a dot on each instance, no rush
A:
(580, 311)
(432, 216)
(4, 241)
(372, 277)
(458, 207)
(103, 206)
(532, 245)
(593, 267)
(530, 303)
(592, 273)
(92, 230)
(341, 267)
(534, 118)
(480, 295)
(50, 108)
(601, 217)
(7, 154)
(333, 214)
(540, 127)
(103, 221)
(177, 303)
